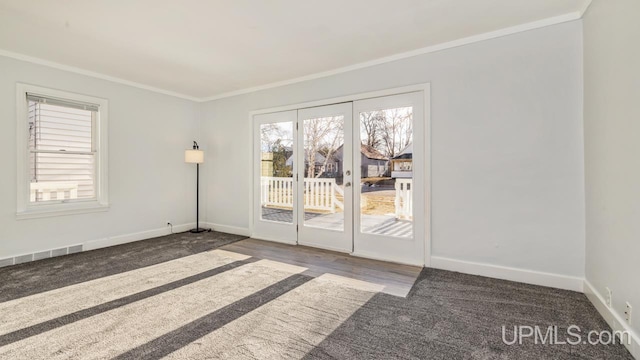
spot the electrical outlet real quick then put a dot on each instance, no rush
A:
(608, 297)
(627, 313)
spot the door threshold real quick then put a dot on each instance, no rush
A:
(377, 258)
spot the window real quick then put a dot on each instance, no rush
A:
(62, 152)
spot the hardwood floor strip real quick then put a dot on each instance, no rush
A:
(397, 279)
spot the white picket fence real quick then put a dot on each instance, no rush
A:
(60, 190)
(404, 199)
(319, 194)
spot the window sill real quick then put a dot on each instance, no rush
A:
(61, 210)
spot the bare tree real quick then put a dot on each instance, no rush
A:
(321, 133)
(396, 131)
(370, 124)
(276, 141)
(272, 133)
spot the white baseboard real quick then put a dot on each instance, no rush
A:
(41, 255)
(508, 273)
(93, 244)
(228, 229)
(121, 239)
(613, 318)
(127, 238)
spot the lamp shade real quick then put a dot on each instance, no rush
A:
(194, 156)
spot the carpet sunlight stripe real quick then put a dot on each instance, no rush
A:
(34, 309)
(124, 328)
(287, 327)
(113, 304)
(182, 336)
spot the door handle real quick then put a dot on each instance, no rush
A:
(347, 184)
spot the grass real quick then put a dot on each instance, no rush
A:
(378, 203)
(378, 181)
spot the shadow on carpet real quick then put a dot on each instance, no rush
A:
(450, 315)
(39, 276)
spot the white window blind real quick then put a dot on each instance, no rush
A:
(62, 154)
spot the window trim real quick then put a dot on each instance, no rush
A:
(27, 210)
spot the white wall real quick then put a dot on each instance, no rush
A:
(149, 183)
(507, 146)
(612, 151)
(507, 153)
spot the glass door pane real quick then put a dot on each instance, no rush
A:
(274, 186)
(325, 177)
(386, 171)
(389, 200)
(323, 186)
(277, 187)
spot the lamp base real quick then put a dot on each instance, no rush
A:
(199, 230)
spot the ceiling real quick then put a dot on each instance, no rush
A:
(205, 48)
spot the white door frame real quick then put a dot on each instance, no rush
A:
(425, 88)
(374, 245)
(318, 237)
(263, 229)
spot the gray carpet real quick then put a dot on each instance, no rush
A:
(30, 278)
(177, 297)
(450, 315)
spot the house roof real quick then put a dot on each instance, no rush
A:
(406, 153)
(319, 158)
(371, 152)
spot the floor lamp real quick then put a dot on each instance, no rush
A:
(196, 156)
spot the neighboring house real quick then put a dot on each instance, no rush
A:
(402, 164)
(61, 157)
(323, 168)
(372, 162)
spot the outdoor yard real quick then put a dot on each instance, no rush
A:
(380, 202)
(378, 197)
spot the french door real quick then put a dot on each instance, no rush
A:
(275, 202)
(390, 205)
(346, 177)
(325, 191)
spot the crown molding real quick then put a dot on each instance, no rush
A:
(97, 75)
(585, 8)
(576, 15)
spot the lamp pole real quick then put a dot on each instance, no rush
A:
(197, 198)
(196, 156)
